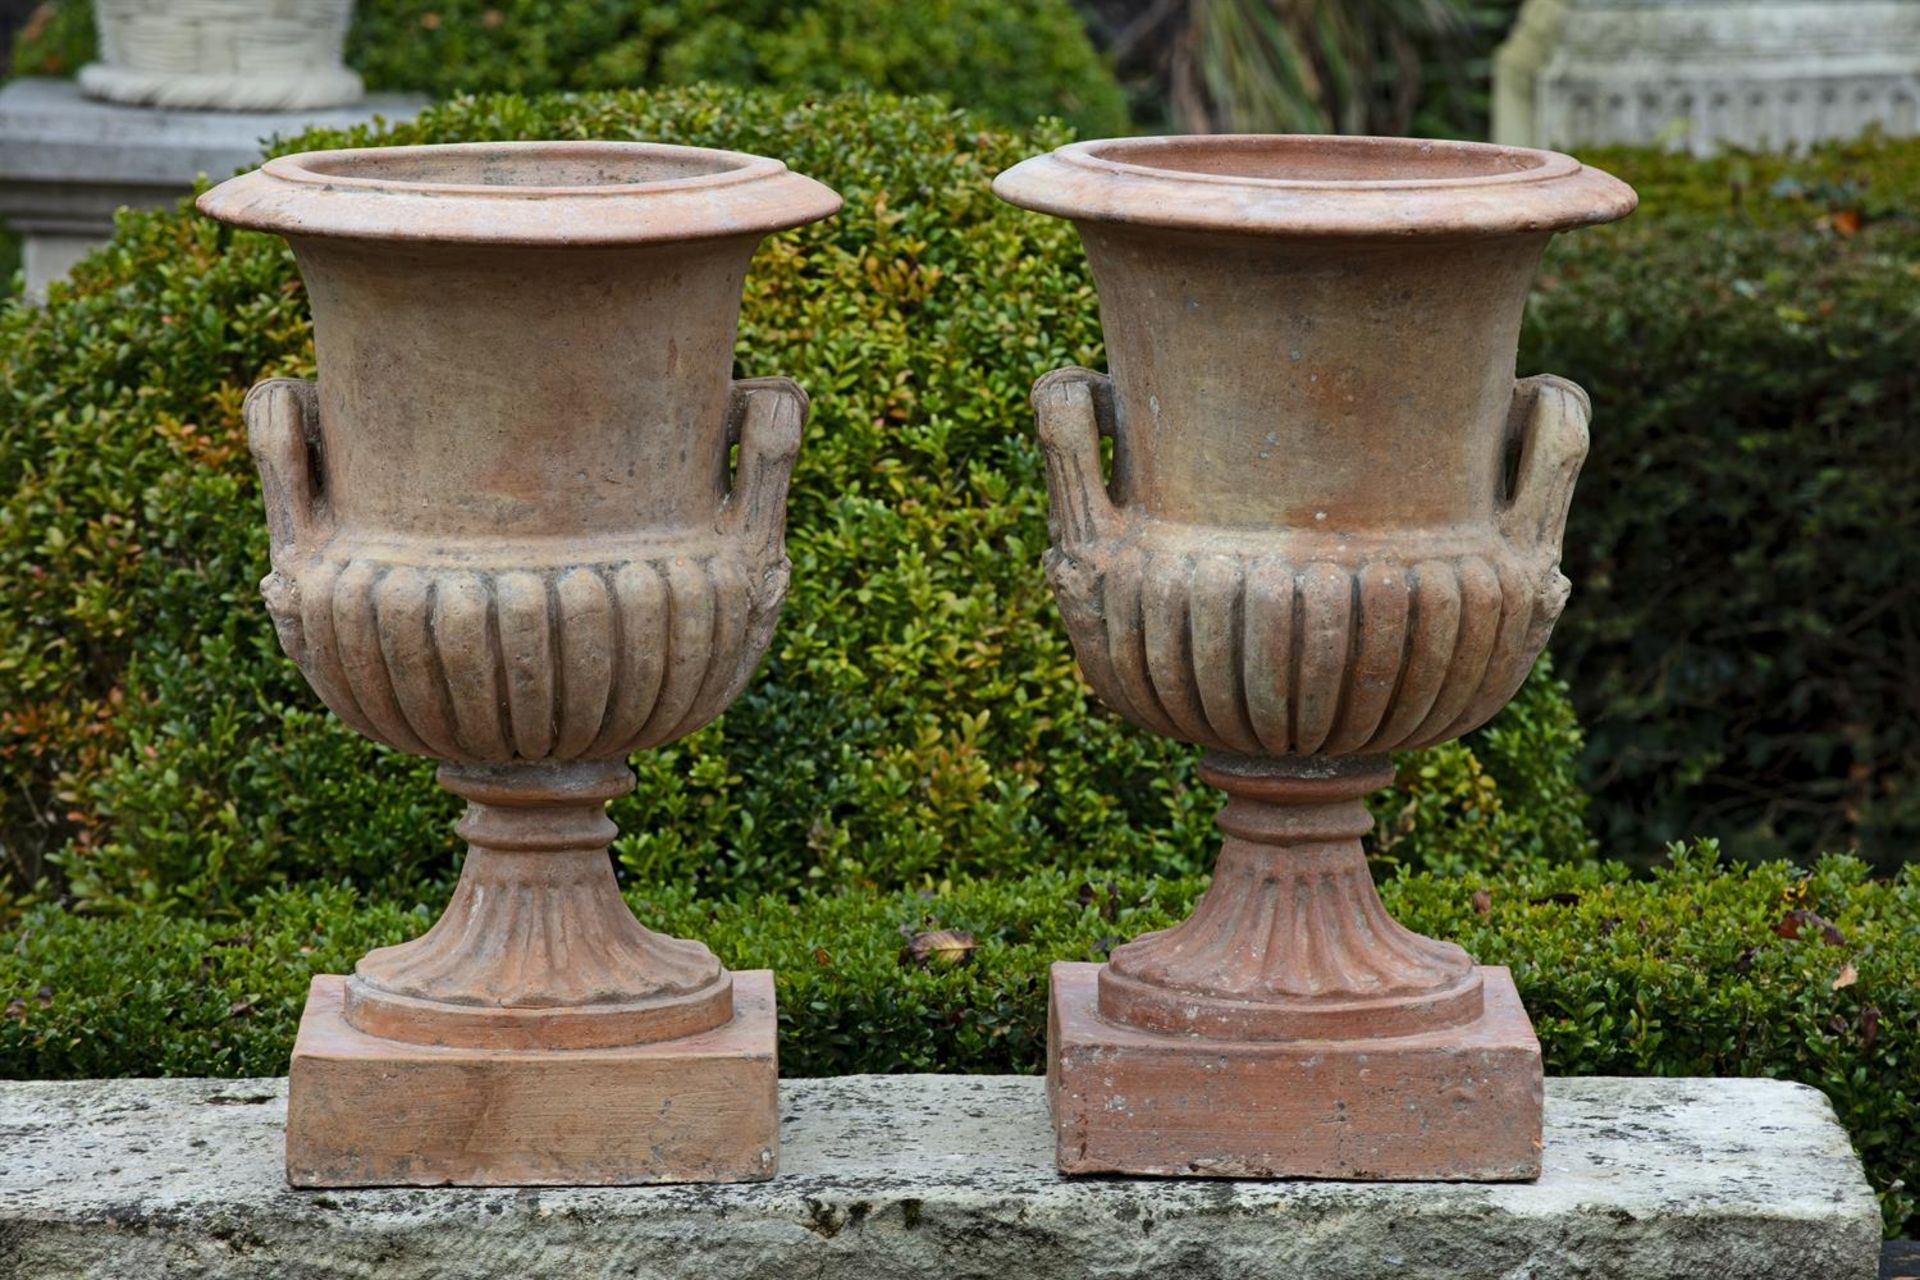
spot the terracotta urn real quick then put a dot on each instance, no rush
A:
(1331, 532)
(228, 55)
(508, 533)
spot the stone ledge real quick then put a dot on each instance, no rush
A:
(50, 132)
(67, 162)
(948, 1177)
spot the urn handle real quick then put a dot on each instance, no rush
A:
(283, 433)
(1549, 422)
(1072, 409)
(765, 419)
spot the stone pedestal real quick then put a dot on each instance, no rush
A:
(370, 1112)
(1461, 1103)
(68, 162)
(1702, 74)
(941, 1178)
(1290, 1027)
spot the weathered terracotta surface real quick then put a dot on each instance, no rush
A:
(1454, 1104)
(1290, 941)
(1332, 531)
(506, 534)
(703, 1108)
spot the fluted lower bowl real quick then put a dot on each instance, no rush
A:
(1292, 643)
(480, 661)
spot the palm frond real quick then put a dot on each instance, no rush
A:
(1301, 66)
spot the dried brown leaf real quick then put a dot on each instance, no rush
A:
(944, 947)
(1795, 922)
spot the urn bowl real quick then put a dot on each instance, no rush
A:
(1333, 515)
(526, 513)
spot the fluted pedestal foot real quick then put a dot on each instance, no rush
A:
(1290, 1027)
(538, 1033)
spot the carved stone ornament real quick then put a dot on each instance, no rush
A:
(1331, 532)
(506, 534)
(1704, 75)
(223, 55)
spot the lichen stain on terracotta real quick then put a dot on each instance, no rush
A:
(1331, 532)
(505, 535)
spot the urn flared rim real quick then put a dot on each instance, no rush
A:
(1316, 185)
(531, 194)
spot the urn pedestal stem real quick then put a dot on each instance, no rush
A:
(537, 949)
(1290, 940)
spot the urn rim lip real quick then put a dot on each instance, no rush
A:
(522, 193)
(1316, 185)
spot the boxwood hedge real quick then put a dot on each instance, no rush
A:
(920, 715)
(1742, 640)
(1762, 971)
(1013, 60)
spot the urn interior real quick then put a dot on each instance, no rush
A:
(430, 171)
(1297, 159)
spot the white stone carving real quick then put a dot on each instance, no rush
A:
(1705, 74)
(232, 55)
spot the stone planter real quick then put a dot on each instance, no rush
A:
(1332, 532)
(231, 55)
(505, 535)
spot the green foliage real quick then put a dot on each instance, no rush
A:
(1686, 973)
(1741, 640)
(56, 39)
(1419, 67)
(1322, 66)
(919, 717)
(1456, 71)
(1013, 60)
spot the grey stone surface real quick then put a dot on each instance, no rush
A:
(67, 162)
(1701, 74)
(946, 1177)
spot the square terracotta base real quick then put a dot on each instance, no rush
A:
(367, 1112)
(1458, 1105)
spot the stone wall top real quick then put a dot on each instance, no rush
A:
(942, 1176)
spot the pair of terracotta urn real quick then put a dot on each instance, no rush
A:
(526, 523)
